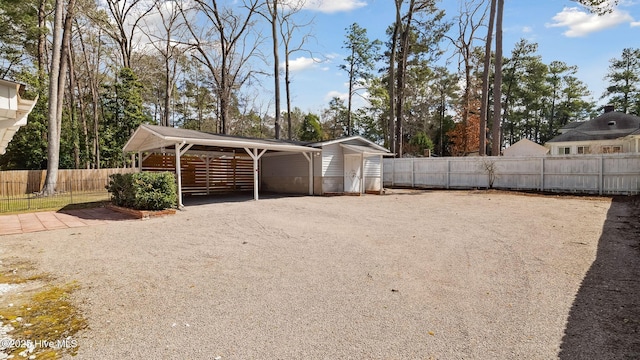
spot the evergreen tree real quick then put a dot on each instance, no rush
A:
(310, 130)
(624, 82)
(123, 113)
(359, 64)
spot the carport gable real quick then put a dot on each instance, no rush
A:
(159, 139)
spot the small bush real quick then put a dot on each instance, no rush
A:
(143, 191)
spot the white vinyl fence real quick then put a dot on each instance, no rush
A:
(610, 174)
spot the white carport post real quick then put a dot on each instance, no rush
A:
(179, 153)
(309, 157)
(255, 156)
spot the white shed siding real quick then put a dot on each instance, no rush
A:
(332, 160)
(372, 173)
(332, 169)
(285, 173)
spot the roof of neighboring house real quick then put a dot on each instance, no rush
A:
(608, 126)
(570, 126)
(525, 147)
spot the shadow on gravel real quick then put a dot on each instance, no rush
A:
(604, 321)
(196, 200)
(95, 213)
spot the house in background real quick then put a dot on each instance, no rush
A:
(611, 132)
(14, 111)
(525, 147)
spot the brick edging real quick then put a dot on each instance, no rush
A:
(141, 214)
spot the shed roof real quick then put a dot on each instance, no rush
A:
(366, 150)
(154, 138)
(367, 143)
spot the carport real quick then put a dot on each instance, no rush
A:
(153, 139)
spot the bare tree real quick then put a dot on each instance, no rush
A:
(470, 19)
(167, 37)
(127, 15)
(272, 15)
(288, 29)
(225, 48)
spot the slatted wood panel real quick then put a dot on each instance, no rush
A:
(20, 182)
(221, 175)
(609, 174)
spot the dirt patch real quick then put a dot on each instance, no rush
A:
(410, 274)
(38, 319)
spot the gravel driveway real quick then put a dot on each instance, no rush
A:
(407, 275)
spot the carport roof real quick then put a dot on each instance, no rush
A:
(154, 138)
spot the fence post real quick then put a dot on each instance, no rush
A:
(601, 176)
(393, 171)
(448, 172)
(542, 174)
(413, 172)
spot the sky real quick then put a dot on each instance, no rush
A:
(563, 30)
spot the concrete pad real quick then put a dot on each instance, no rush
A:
(10, 224)
(30, 223)
(49, 220)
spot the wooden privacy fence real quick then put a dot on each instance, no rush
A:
(206, 174)
(20, 182)
(610, 174)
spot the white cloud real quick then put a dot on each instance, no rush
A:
(301, 63)
(527, 29)
(635, 23)
(333, 6)
(334, 93)
(580, 22)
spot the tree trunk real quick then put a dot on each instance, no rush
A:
(402, 67)
(350, 97)
(42, 42)
(73, 113)
(496, 143)
(287, 83)
(53, 146)
(276, 64)
(392, 84)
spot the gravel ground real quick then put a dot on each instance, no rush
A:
(407, 275)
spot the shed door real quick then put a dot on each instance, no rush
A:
(352, 173)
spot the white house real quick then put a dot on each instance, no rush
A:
(13, 111)
(611, 132)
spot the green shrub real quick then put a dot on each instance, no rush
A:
(144, 190)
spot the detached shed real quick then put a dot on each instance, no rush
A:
(351, 165)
